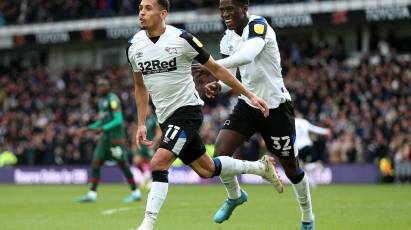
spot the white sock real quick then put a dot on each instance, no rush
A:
(92, 194)
(302, 192)
(155, 199)
(136, 193)
(232, 186)
(233, 167)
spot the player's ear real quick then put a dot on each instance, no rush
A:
(164, 14)
(245, 8)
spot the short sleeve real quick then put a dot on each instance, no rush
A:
(195, 48)
(130, 60)
(257, 28)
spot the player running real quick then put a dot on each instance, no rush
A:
(250, 48)
(111, 145)
(161, 57)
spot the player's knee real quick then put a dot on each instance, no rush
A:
(205, 174)
(207, 171)
(295, 176)
(160, 176)
(96, 164)
(157, 164)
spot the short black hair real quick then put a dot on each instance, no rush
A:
(164, 4)
(244, 2)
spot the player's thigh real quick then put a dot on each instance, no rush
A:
(278, 132)
(100, 152)
(193, 149)
(162, 160)
(227, 142)
(203, 166)
(239, 127)
(181, 136)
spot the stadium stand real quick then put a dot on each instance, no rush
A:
(364, 100)
(360, 89)
(35, 11)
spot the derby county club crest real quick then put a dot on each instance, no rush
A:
(171, 50)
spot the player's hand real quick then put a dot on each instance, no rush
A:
(328, 133)
(80, 131)
(98, 130)
(212, 89)
(141, 137)
(199, 70)
(261, 105)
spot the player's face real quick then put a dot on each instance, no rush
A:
(102, 90)
(233, 13)
(150, 14)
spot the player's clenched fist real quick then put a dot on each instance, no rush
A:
(212, 89)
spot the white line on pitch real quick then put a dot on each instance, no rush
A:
(115, 210)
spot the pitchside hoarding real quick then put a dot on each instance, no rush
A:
(350, 173)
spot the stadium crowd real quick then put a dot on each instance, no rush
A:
(35, 11)
(365, 101)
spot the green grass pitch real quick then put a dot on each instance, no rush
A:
(336, 207)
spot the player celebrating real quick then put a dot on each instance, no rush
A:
(111, 144)
(161, 57)
(250, 48)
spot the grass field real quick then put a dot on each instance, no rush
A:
(192, 207)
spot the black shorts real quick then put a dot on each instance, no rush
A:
(305, 154)
(181, 134)
(277, 130)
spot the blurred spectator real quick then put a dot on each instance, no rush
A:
(364, 100)
(35, 11)
(7, 158)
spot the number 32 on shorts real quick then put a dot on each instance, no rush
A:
(282, 144)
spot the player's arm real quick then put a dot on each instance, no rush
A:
(251, 48)
(194, 49)
(212, 89)
(225, 76)
(245, 55)
(117, 116)
(141, 97)
(95, 125)
(318, 130)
